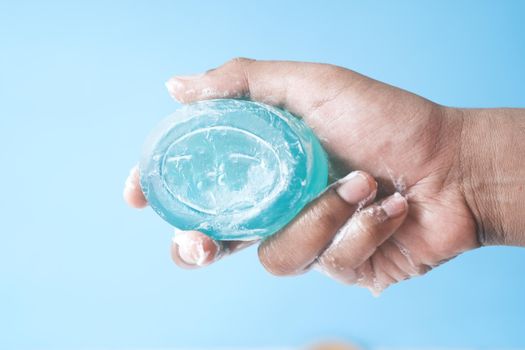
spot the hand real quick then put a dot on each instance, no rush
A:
(408, 144)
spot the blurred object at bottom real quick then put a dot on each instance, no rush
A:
(334, 345)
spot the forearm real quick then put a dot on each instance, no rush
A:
(492, 167)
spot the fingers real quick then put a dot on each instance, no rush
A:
(297, 245)
(296, 86)
(190, 249)
(359, 239)
(193, 249)
(132, 193)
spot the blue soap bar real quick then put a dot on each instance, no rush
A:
(233, 169)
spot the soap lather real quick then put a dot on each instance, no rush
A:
(232, 169)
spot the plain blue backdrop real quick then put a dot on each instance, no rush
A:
(81, 84)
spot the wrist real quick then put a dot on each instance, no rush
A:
(492, 168)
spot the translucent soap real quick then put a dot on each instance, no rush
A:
(232, 169)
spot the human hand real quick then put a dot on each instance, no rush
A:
(408, 144)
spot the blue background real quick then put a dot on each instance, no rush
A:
(81, 84)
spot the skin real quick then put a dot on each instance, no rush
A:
(422, 196)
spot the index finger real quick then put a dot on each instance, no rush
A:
(299, 87)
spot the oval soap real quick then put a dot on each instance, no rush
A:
(233, 169)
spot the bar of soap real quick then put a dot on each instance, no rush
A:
(232, 169)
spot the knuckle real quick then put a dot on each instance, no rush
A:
(239, 62)
(239, 67)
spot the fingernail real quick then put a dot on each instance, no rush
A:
(395, 205)
(189, 77)
(354, 188)
(191, 251)
(132, 176)
(173, 85)
(130, 188)
(129, 185)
